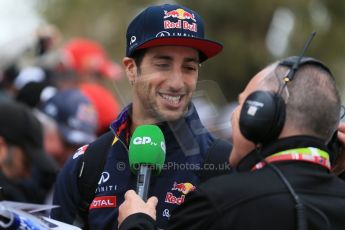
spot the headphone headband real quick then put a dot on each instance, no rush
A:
(290, 62)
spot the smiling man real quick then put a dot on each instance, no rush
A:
(283, 130)
(163, 83)
(165, 46)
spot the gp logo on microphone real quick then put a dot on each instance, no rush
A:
(143, 141)
(147, 140)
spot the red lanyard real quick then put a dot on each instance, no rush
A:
(312, 155)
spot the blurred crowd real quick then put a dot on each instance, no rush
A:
(51, 104)
(58, 100)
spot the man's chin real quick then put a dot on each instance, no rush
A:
(171, 116)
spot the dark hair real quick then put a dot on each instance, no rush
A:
(202, 56)
(138, 57)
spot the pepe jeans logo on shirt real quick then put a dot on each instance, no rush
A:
(80, 151)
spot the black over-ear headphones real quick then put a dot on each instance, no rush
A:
(262, 118)
(263, 113)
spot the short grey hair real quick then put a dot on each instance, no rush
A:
(312, 99)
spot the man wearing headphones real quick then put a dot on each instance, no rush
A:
(286, 118)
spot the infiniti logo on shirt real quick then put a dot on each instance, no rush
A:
(104, 178)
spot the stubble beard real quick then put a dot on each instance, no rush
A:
(155, 114)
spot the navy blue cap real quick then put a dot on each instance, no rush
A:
(75, 115)
(167, 24)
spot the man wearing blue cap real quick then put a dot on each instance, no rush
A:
(76, 121)
(165, 46)
(284, 177)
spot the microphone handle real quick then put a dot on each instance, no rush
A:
(143, 181)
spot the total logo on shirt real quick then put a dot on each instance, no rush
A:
(103, 202)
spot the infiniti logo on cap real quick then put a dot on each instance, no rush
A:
(163, 34)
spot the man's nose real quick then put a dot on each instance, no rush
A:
(176, 80)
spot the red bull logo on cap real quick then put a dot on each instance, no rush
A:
(182, 15)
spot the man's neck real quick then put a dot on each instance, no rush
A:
(139, 121)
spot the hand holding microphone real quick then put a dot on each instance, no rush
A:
(146, 155)
(134, 204)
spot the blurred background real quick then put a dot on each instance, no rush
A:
(253, 33)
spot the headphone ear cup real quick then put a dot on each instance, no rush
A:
(262, 116)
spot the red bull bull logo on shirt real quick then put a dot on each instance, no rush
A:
(184, 188)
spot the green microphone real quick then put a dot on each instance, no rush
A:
(146, 155)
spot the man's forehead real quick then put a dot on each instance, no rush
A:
(172, 49)
(266, 71)
(258, 80)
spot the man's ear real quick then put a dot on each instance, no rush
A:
(3, 149)
(130, 68)
(338, 147)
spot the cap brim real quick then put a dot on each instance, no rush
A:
(42, 161)
(207, 47)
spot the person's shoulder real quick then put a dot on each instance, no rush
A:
(232, 187)
(229, 181)
(79, 153)
(73, 163)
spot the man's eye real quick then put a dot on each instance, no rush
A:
(162, 65)
(191, 68)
